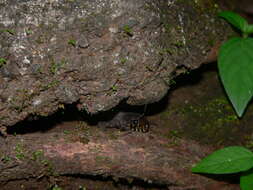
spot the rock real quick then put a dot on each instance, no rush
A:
(97, 53)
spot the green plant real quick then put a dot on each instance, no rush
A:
(66, 132)
(229, 160)
(51, 84)
(28, 31)
(82, 188)
(6, 159)
(56, 66)
(172, 82)
(55, 187)
(12, 32)
(123, 60)
(19, 149)
(72, 42)
(114, 88)
(37, 154)
(235, 63)
(127, 29)
(2, 61)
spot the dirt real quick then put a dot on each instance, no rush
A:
(201, 111)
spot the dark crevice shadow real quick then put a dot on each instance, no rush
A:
(184, 80)
(108, 115)
(228, 178)
(119, 182)
(194, 77)
(70, 113)
(36, 123)
(43, 124)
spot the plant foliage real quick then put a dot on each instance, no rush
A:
(229, 160)
(225, 161)
(235, 63)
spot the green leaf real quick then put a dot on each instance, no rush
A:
(72, 42)
(246, 180)
(237, 21)
(2, 62)
(249, 29)
(228, 160)
(235, 63)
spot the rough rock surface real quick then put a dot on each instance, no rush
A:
(96, 53)
(89, 151)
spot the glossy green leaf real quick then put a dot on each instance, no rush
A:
(246, 180)
(228, 160)
(249, 29)
(237, 21)
(235, 63)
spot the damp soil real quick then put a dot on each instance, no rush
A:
(199, 109)
(196, 109)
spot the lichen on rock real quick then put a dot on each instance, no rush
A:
(97, 53)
